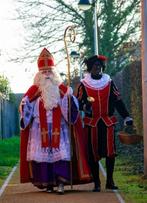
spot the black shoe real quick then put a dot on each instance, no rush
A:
(60, 189)
(50, 189)
(96, 189)
(111, 187)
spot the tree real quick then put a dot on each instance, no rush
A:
(120, 22)
(5, 89)
(45, 22)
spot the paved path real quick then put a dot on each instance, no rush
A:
(27, 193)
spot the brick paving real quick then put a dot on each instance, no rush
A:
(27, 193)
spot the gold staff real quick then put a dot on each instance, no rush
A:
(71, 35)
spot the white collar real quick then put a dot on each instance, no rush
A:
(96, 84)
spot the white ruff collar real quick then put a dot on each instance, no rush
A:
(96, 84)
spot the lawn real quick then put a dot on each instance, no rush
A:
(9, 156)
(128, 173)
(133, 187)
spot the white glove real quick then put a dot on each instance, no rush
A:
(128, 121)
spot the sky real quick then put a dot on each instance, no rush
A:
(20, 75)
(11, 39)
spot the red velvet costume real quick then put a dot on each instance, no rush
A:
(99, 122)
(100, 111)
(106, 100)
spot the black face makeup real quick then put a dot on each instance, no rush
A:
(96, 71)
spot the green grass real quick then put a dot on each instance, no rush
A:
(4, 171)
(133, 187)
(9, 156)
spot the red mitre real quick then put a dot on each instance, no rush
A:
(45, 60)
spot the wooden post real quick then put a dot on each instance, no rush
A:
(144, 78)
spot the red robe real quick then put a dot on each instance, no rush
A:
(80, 168)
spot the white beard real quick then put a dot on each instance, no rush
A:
(49, 90)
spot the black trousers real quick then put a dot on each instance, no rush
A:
(94, 166)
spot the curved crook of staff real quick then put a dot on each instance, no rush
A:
(69, 33)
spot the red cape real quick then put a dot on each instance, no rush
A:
(80, 167)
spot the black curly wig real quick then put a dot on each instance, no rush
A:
(90, 62)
